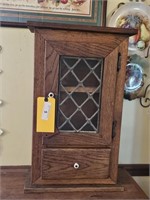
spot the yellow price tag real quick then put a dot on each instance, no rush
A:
(45, 121)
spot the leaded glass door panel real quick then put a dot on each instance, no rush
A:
(79, 89)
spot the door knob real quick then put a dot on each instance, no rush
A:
(76, 165)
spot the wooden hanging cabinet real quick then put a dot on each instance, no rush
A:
(85, 68)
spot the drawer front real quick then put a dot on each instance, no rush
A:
(58, 164)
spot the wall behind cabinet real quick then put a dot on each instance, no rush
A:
(16, 83)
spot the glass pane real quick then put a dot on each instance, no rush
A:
(79, 94)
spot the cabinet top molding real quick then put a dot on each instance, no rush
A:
(42, 25)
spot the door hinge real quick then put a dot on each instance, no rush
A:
(114, 124)
(119, 62)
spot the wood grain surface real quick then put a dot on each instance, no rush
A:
(59, 164)
(13, 179)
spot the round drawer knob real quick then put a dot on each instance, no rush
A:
(76, 165)
(1, 132)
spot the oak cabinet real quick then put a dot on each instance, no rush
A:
(86, 72)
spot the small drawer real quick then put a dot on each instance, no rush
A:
(65, 164)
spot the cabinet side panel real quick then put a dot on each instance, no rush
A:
(122, 50)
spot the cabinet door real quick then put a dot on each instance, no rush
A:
(81, 69)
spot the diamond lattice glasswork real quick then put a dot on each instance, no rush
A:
(79, 94)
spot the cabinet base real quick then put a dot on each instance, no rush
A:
(32, 188)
